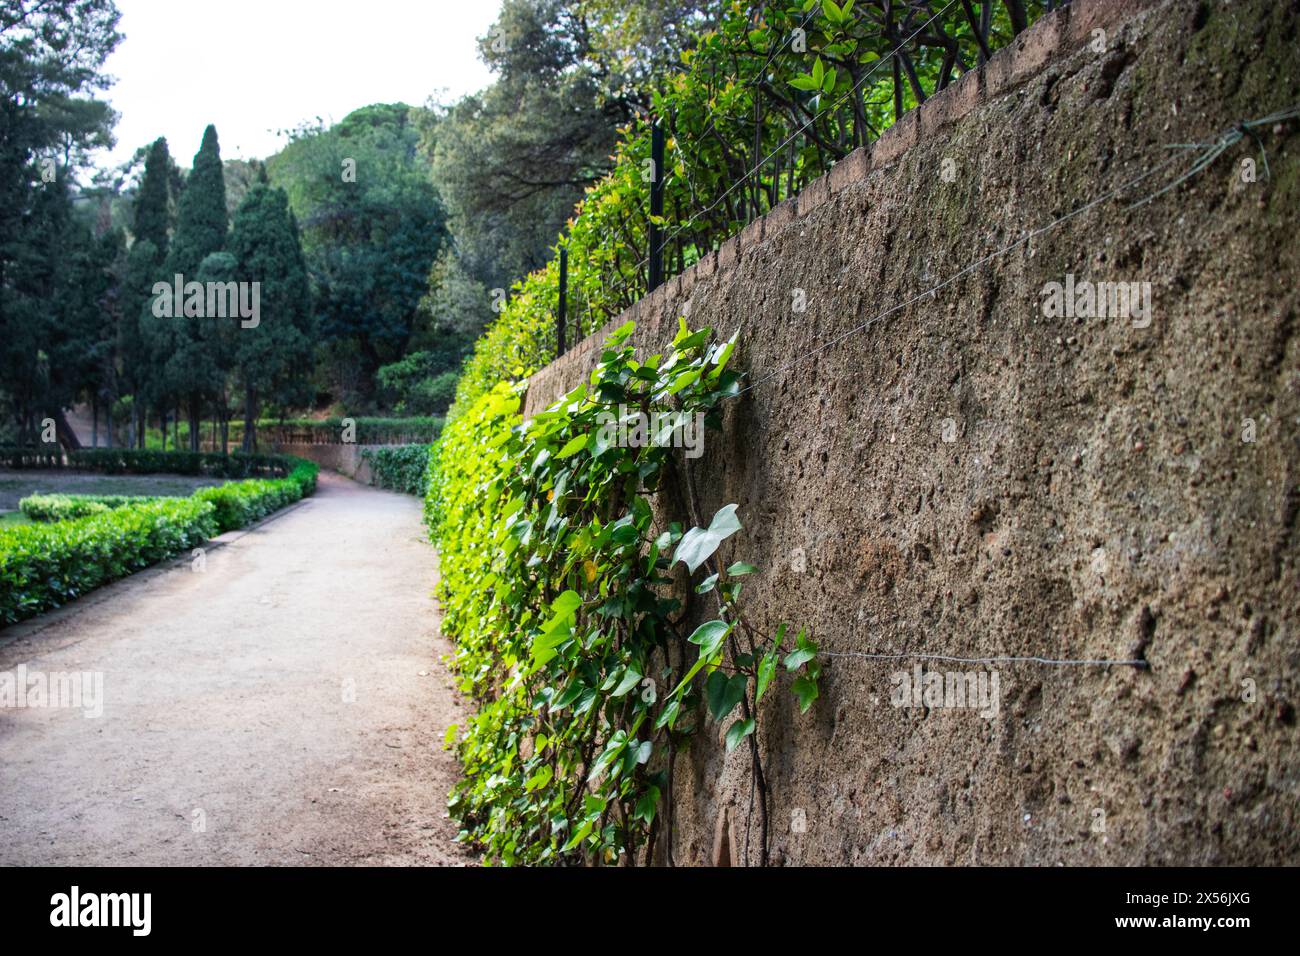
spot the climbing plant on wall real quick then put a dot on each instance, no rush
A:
(570, 599)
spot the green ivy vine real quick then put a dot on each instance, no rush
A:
(566, 598)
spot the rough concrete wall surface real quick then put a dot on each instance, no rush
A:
(344, 458)
(971, 476)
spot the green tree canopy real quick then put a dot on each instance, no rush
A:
(273, 356)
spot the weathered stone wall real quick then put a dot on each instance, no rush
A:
(1098, 497)
(344, 458)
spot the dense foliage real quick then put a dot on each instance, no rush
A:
(130, 461)
(561, 592)
(65, 507)
(403, 468)
(783, 92)
(43, 566)
(51, 331)
(240, 503)
(372, 225)
(512, 160)
(84, 541)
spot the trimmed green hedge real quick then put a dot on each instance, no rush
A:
(43, 566)
(403, 468)
(369, 430)
(240, 503)
(65, 507)
(135, 461)
(49, 457)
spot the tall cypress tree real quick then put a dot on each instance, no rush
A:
(151, 229)
(201, 220)
(191, 365)
(152, 209)
(273, 358)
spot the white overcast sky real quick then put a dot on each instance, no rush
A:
(256, 66)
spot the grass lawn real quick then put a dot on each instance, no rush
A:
(11, 519)
(16, 485)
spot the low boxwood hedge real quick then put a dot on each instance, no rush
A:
(65, 507)
(47, 564)
(240, 503)
(136, 461)
(43, 566)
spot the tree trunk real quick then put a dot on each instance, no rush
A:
(250, 420)
(63, 431)
(195, 424)
(94, 420)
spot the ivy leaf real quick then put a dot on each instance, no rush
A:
(722, 356)
(645, 807)
(669, 715)
(805, 650)
(707, 585)
(738, 732)
(740, 568)
(766, 672)
(710, 636)
(806, 690)
(580, 834)
(620, 335)
(574, 445)
(698, 544)
(617, 742)
(723, 693)
(558, 629)
(570, 694)
(566, 603)
(630, 679)
(540, 779)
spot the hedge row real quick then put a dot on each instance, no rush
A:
(43, 566)
(67, 507)
(50, 457)
(136, 461)
(240, 503)
(403, 468)
(367, 431)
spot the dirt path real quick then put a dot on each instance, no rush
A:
(284, 706)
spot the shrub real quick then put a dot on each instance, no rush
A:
(66, 507)
(49, 457)
(403, 468)
(240, 503)
(43, 566)
(135, 461)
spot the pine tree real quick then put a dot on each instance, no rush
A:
(273, 357)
